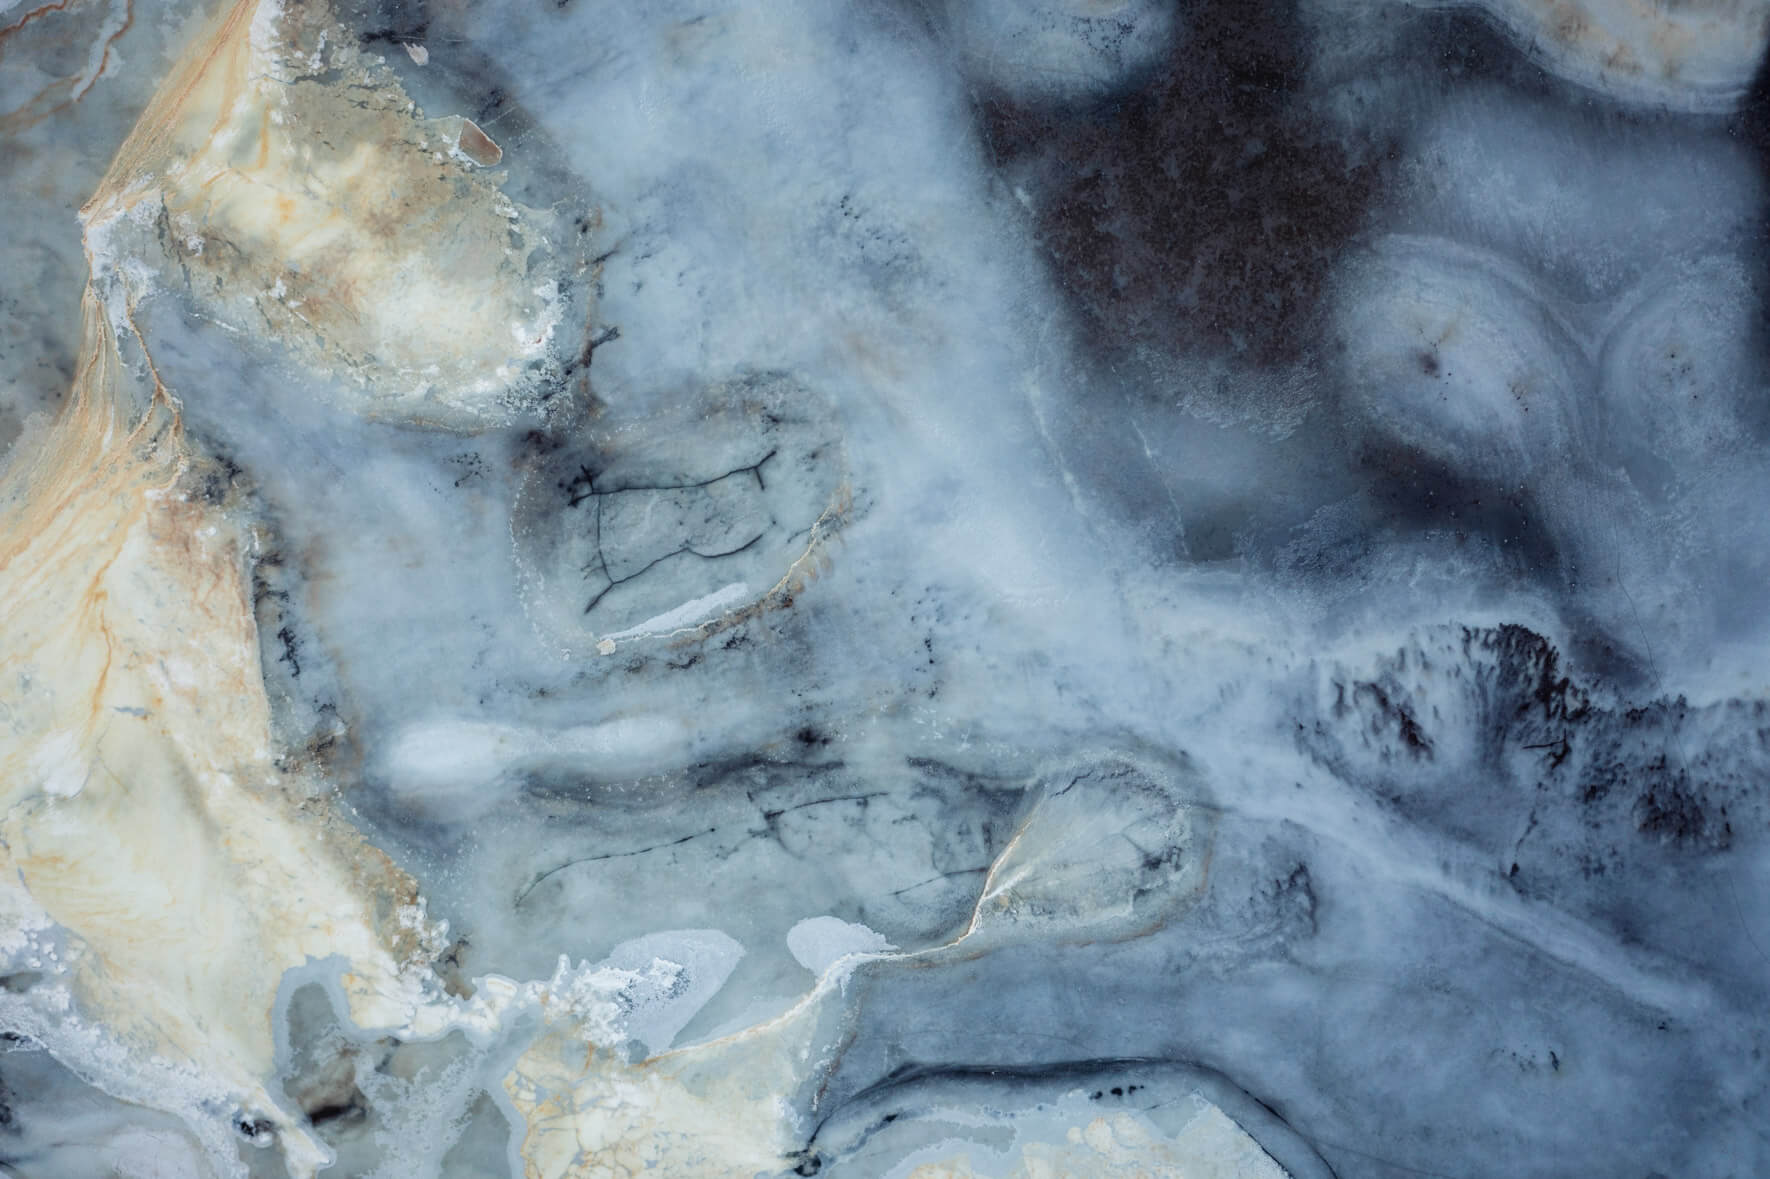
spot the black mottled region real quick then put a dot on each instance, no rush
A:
(1206, 210)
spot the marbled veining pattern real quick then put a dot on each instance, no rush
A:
(898, 588)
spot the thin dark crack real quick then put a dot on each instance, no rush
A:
(943, 876)
(583, 487)
(592, 491)
(771, 816)
(608, 335)
(647, 567)
(1561, 747)
(1320, 1144)
(768, 816)
(601, 557)
(522, 895)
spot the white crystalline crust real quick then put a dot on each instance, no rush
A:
(687, 614)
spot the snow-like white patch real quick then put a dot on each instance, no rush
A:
(817, 943)
(58, 765)
(687, 614)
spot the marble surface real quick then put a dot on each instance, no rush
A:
(904, 588)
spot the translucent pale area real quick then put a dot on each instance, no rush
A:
(1210, 1146)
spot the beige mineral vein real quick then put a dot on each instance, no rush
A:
(141, 806)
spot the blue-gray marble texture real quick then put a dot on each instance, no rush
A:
(885, 588)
